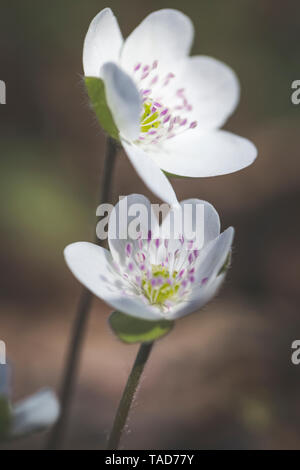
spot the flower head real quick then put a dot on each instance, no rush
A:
(168, 107)
(155, 276)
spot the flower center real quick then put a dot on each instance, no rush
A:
(162, 277)
(166, 110)
(150, 117)
(161, 287)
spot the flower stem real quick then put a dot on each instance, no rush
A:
(128, 395)
(81, 319)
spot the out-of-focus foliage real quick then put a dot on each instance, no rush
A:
(5, 417)
(132, 330)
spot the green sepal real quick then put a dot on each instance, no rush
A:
(133, 330)
(172, 175)
(226, 264)
(96, 91)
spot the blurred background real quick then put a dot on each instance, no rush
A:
(223, 379)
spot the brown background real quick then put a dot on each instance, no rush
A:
(223, 378)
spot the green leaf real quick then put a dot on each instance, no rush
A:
(132, 330)
(96, 91)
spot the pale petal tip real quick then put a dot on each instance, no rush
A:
(35, 413)
(103, 42)
(105, 12)
(231, 231)
(175, 13)
(250, 154)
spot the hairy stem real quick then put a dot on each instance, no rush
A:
(128, 395)
(81, 319)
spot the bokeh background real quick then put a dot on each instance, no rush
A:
(223, 379)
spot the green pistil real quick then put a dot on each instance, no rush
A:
(160, 294)
(148, 118)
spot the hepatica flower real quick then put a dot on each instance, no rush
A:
(35, 413)
(154, 277)
(165, 107)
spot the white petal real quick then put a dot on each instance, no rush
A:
(123, 100)
(92, 266)
(35, 413)
(205, 295)
(202, 154)
(211, 87)
(150, 173)
(120, 219)
(211, 222)
(201, 226)
(102, 43)
(212, 259)
(164, 35)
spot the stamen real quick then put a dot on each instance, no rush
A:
(130, 266)
(154, 80)
(128, 249)
(155, 113)
(165, 283)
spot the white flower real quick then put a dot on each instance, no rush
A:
(32, 414)
(154, 278)
(167, 106)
